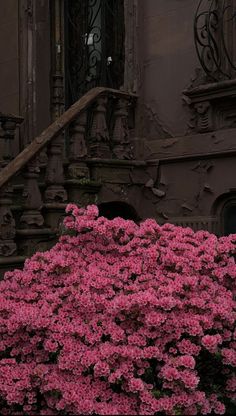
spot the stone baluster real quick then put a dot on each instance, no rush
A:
(9, 123)
(78, 149)
(121, 136)
(32, 217)
(54, 178)
(8, 127)
(99, 134)
(7, 222)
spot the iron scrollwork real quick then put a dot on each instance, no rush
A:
(94, 45)
(214, 30)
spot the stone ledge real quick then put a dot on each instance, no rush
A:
(11, 260)
(10, 263)
(86, 185)
(196, 222)
(115, 162)
(219, 143)
(37, 232)
(213, 90)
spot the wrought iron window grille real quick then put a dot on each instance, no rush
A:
(94, 45)
(215, 38)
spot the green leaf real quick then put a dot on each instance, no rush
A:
(178, 411)
(156, 393)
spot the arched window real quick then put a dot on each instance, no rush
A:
(214, 31)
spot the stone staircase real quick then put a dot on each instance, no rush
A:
(88, 154)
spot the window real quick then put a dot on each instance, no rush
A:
(215, 40)
(94, 45)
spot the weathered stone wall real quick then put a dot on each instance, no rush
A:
(191, 136)
(168, 63)
(25, 65)
(9, 57)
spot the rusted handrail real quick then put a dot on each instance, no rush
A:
(54, 130)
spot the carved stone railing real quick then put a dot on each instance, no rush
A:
(96, 127)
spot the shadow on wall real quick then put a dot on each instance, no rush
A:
(115, 209)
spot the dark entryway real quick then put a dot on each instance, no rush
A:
(115, 209)
(229, 218)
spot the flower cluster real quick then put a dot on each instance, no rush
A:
(120, 318)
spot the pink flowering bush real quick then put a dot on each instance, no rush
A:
(120, 319)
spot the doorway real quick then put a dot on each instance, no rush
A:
(229, 218)
(115, 209)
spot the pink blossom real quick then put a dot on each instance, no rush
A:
(186, 361)
(211, 342)
(136, 385)
(120, 318)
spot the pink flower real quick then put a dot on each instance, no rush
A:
(186, 361)
(211, 342)
(136, 385)
(170, 373)
(229, 355)
(189, 379)
(219, 408)
(116, 319)
(101, 369)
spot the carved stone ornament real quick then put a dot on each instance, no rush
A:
(78, 171)
(121, 135)
(78, 149)
(7, 222)
(204, 116)
(213, 105)
(32, 216)
(55, 191)
(99, 134)
(7, 225)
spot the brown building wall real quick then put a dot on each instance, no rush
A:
(169, 63)
(25, 65)
(9, 57)
(184, 135)
(34, 85)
